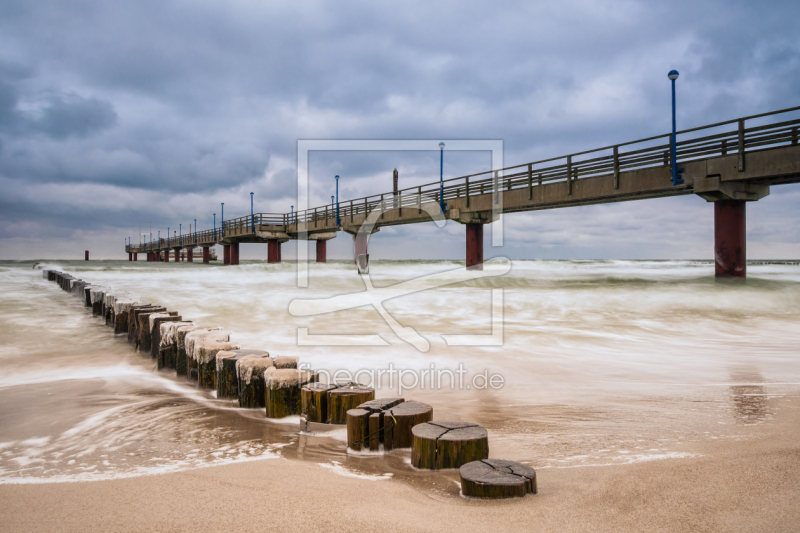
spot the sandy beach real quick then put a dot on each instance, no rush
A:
(751, 483)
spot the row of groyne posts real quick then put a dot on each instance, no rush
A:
(278, 384)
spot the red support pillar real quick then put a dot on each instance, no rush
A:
(86, 255)
(235, 253)
(226, 255)
(730, 239)
(474, 246)
(130, 256)
(273, 251)
(322, 251)
(135, 256)
(206, 254)
(190, 255)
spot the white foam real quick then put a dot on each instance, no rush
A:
(337, 468)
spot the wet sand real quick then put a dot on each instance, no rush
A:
(751, 483)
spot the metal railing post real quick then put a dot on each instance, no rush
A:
(569, 175)
(530, 181)
(495, 187)
(741, 145)
(616, 167)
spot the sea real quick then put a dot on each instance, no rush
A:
(567, 364)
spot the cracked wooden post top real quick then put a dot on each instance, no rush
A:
(497, 478)
(437, 445)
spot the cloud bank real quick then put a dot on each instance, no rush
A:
(115, 114)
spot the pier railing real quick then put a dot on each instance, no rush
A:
(719, 139)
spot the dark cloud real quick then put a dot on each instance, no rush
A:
(72, 115)
(159, 110)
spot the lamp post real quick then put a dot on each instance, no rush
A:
(222, 220)
(195, 231)
(338, 222)
(180, 234)
(332, 205)
(673, 75)
(215, 226)
(441, 176)
(291, 216)
(252, 216)
(168, 239)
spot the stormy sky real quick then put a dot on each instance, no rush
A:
(119, 114)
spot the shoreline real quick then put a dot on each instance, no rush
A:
(743, 484)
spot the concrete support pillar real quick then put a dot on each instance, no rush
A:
(190, 255)
(130, 256)
(206, 254)
(86, 255)
(235, 253)
(730, 239)
(360, 255)
(322, 251)
(273, 251)
(226, 254)
(474, 246)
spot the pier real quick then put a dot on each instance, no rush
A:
(727, 163)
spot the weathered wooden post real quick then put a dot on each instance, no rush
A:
(377, 409)
(192, 340)
(143, 341)
(358, 435)
(181, 357)
(497, 478)
(206, 352)
(156, 320)
(399, 421)
(314, 402)
(133, 321)
(227, 377)
(250, 373)
(168, 345)
(282, 390)
(438, 445)
(342, 399)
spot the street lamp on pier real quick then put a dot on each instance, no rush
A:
(195, 231)
(441, 177)
(252, 215)
(215, 226)
(338, 222)
(291, 216)
(222, 221)
(676, 180)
